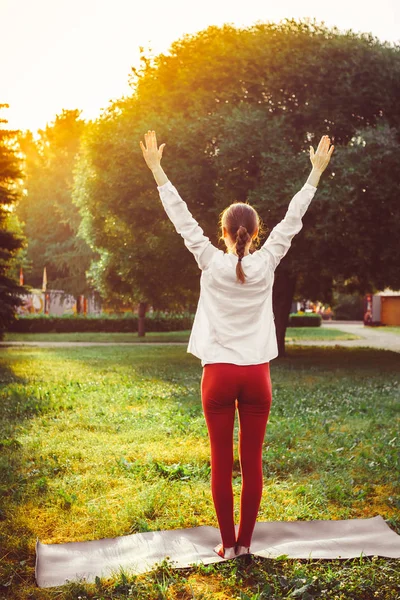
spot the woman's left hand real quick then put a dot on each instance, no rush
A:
(151, 154)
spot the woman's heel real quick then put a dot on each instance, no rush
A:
(242, 550)
(225, 552)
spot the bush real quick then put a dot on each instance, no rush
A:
(103, 324)
(304, 320)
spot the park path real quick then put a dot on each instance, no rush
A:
(73, 344)
(370, 338)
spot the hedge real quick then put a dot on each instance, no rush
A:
(126, 324)
(81, 323)
(304, 320)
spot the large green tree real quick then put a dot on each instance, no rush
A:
(238, 109)
(50, 218)
(10, 242)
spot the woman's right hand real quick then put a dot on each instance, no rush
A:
(320, 159)
(151, 154)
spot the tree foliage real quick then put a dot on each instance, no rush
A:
(11, 242)
(238, 109)
(50, 218)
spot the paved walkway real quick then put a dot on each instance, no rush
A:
(72, 344)
(370, 338)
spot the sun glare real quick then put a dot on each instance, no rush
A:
(79, 53)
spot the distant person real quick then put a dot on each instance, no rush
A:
(234, 335)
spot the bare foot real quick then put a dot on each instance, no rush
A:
(242, 550)
(225, 552)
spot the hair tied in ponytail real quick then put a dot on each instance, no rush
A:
(241, 223)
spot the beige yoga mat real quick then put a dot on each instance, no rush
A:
(56, 564)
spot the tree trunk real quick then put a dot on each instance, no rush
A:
(141, 321)
(282, 298)
(78, 304)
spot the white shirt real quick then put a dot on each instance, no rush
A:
(234, 322)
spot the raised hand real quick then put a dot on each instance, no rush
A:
(322, 156)
(151, 154)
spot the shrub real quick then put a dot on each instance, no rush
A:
(304, 320)
(104, 324)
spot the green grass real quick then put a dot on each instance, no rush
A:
(318, 333)
(389, 328)
(292, 334)
(152, 336)
(101, 442)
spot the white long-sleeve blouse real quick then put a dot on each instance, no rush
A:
(234, 322)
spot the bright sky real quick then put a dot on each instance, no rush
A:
(70, 54)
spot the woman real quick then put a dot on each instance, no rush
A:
(234, 335)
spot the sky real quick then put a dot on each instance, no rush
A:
(57, 54)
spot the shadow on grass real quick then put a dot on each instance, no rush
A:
(17, 407)
(338, 357)
(152, 360)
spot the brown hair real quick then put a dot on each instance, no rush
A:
(241, 222)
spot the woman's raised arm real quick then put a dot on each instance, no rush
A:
(280, 238)
(152, 155)
(176, 208)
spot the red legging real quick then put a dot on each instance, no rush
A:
(225, 386)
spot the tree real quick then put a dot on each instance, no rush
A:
(10, 242)
(348, 241)
(238, 109)
(51, 219)
(140, 260)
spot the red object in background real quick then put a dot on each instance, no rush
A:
(368, 310)
(21, 277)
(81, 304)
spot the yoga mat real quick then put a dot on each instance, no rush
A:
(56, 564)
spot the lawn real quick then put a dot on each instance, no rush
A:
(151, 336)
(292, 334)
(389, 328)
(101, 442)
(317, 333)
